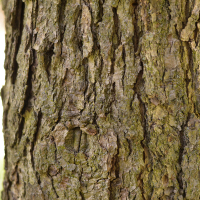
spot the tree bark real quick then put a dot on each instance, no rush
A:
(101, 99)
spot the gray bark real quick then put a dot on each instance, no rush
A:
(101, 99)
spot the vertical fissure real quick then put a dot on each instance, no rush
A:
(168, 9)
(29, 92)
(183, 144)
(138, 87)
(48, 55)
(116, 168)
(62, 25)
(124, 67)
(34, 21)
(86, 84)
(116, 26)
(187, 79)
(100, 14)
(78, 33)
(136, 28)
(26, 105)
(138, 92)
(114, 45)
(60, 111)
(18, 26)
(37, 175)
(54, 189)
(141, 184)
(187, 12)
(81, 192)
(20, 130)
(35, 137)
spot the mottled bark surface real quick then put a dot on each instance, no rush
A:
(102, 99)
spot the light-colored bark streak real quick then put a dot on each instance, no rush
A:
(101, 99)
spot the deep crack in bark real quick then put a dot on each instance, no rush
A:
(17, 23)
(183, 143)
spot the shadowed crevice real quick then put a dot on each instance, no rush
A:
(138, 88)
(35, 137)
(116, 168)
(168, 9)
(183, 144)
(54, 189)
(136, 36)
(17, 24)
(62, 15)
(48, 60)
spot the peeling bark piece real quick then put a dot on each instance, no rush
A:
(89, 129)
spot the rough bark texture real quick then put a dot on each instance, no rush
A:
(102, 99)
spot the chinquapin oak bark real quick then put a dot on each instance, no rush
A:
(102, 100)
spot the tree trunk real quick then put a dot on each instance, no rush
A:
(102, 99)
